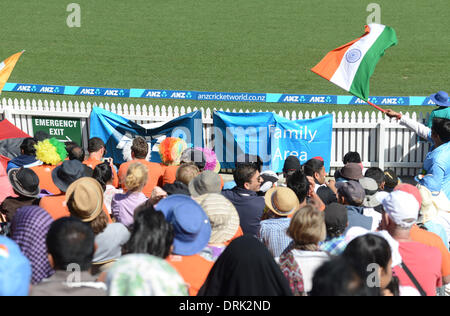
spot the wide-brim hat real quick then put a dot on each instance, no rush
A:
(281, 201)
(206, 182)
(25, 182)
(440, 98)
(84, 199)
(67, 173)
(190, 223)
(222, 215)
(370, 187)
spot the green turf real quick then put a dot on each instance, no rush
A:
(229, 46)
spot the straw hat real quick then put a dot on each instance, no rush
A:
(222, 215)
(84, 199)
(282, 201)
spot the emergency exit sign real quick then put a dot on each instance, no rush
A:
(64, 129)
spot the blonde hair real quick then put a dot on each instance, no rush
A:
(186, 172)
(307, 228)
(137, 176)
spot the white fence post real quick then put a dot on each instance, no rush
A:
(381, 144)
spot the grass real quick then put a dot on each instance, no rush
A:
(228, 46)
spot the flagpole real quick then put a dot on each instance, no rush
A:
(376, 107)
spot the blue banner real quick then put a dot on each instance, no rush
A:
(271, 137)
(116, 131)
(215, 96)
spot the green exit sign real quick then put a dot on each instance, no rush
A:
(62, 128)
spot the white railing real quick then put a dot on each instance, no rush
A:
(381, 142)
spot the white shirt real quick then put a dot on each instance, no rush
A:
(309, 262)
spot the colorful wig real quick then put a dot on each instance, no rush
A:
(211, 159)
(51, 151)
(170, 150)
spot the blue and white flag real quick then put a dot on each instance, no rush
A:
(271, 137)
(116, 131)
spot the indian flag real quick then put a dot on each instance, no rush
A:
(351, 65)
(6, 67)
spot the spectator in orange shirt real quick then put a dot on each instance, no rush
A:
(170, 151)
(192, 232)
(51, 152)
(97, 150)
(139, 153)
(63, 176)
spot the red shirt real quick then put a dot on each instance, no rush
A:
(431, 239)
(193, 269)
(44, 173)
(155, 173)
(425, 264)
(56, 206)
(169, 175)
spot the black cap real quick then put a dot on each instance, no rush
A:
(291, 164)
(336, 219)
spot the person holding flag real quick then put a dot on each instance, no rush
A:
(436, 167)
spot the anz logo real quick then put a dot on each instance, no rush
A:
(87, 91)
(393, 101)
(47, 90)
(114, 93)
(291, 98)
(317, 100)
(24, 88)
(153, 94)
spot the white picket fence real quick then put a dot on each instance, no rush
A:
(380, 141)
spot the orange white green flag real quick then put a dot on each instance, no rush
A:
(6, 67)
(351, 65)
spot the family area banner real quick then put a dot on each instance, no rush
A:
(117, 131)
(271, 137)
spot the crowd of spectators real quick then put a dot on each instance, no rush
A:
(74, 223)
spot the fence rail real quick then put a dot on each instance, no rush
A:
(381, 142)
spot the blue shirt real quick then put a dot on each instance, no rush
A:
(355, 218)
(249, 206)
(273, 234)
(437, 168)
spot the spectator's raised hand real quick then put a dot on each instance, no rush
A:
(392, 113)
(157, 195)
(332, 185)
